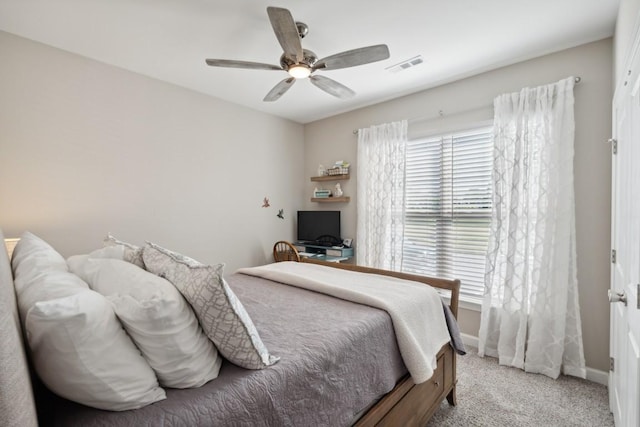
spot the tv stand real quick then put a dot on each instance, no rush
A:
(322, 244)
(324, 253)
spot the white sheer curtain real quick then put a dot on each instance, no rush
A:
(530, 313)
(380, 208)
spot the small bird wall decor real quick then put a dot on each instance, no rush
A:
(265, 202)
(280, 213)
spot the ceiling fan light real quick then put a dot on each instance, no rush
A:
(299, 71)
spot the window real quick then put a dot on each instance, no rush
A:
(448, 207)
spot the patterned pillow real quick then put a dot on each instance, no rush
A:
(221, 315)
(132, 253)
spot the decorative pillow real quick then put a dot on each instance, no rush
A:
(78, 347)
(222, 316)
(132, 253)
(81, 352)
(157, 318)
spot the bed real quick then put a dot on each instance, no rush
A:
(343, 369)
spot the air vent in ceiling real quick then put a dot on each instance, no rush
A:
(408, 63)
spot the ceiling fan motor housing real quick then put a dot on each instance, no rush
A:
(309, 58)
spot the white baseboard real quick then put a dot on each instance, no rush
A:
(598, 376)
(469, 340)
(595, 375)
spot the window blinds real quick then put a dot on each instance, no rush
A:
(448, 207)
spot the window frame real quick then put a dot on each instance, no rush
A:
(468, 300)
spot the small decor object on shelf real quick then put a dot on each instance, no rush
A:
(338, 191)
(321, 170)
(321, 194)
(339, 168)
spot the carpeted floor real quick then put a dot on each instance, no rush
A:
(496, 396)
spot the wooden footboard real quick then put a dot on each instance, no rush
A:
(410, 404)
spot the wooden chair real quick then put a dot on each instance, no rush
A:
(285, 251)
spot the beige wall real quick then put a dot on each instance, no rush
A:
(626, 25)
(88, 148)
(469, 101)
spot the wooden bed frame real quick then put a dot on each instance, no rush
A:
(409, 404)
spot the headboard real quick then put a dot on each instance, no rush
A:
(17, 407)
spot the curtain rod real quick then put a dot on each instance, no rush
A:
(441, 113)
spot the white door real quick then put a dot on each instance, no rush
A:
(624, 380)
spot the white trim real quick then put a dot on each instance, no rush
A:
(594, 375)
(628, 60)
(469, 303)
(629, 55)
(469, 340)
(598, 376)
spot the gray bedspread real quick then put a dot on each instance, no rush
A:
(337, 358)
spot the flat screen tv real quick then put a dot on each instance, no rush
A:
(316, 225)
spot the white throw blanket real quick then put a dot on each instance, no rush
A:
(415, 308)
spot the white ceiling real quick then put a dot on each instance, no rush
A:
(170, 39)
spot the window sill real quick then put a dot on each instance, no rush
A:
(466, 302)
(469, 303)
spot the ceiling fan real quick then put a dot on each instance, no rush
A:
(302, 63)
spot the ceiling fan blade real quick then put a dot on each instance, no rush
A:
(351, 58)
(286, 31)
(230, 63)
(332, 87)
(279, 89)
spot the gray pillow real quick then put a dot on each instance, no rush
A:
(221, 315)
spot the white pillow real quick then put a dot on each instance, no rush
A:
(81, 352)
(78, 347)
(33, 255)
(115, 252)
(45, 287)
(40, 274)
(157, 318)
(221, 314)
(132, 253)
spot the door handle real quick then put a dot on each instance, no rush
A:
(617, 297)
